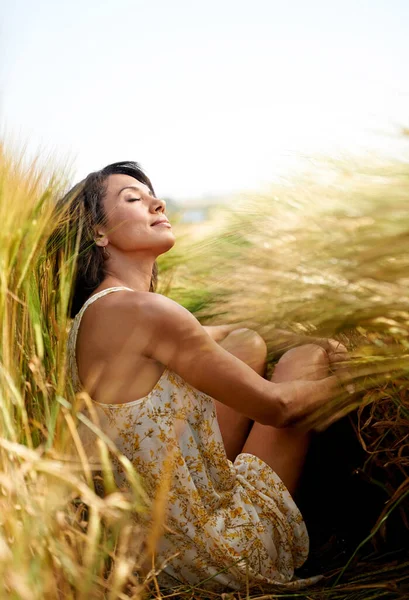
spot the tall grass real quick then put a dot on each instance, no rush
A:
(324, 256)
(58, 538)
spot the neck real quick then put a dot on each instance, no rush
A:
(129, 270)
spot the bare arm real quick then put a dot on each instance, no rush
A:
(176, 339)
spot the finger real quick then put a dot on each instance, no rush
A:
(326, 392)
(340, 401)
(342, 369)
(336, 343)
(336, 351)
(337, 357)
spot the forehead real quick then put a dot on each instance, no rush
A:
(115, 183)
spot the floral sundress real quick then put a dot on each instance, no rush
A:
(228, 524)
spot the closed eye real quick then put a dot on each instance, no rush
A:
(133, 199)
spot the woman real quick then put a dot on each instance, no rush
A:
(153, 371)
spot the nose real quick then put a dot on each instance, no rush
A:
(158, 205)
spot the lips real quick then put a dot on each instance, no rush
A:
(161, 221)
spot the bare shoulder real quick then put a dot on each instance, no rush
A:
(131, 306)
(146, 314)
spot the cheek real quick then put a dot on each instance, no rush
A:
(125, 228)
(128, 235)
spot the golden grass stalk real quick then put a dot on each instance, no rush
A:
(324, 256)
(58, 538)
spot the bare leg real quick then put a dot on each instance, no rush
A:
(249, 347)
(285, 449)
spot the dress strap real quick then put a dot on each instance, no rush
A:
(72, 336)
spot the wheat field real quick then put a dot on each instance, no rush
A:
(323, 255)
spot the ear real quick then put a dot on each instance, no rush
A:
(100, 239)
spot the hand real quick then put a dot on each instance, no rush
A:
(336, 352)
(309, 402)
(317, 400)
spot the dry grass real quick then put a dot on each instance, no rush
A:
(58, 538)
(326, 256)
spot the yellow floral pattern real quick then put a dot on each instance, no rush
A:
(227, 523)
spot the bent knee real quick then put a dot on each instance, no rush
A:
(303, 362)
(307, 352)
(249, 339)
(249, 346)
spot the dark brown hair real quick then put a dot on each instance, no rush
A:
(78, 214)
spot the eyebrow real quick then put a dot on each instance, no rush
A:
(134, 187)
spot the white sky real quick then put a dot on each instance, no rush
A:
(210, 96)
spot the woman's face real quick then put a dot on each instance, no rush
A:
(136, 220)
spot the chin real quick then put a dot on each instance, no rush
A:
(167, 245)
